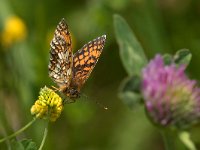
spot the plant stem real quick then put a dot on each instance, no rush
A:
(168, 140)
(19, 131)
(44, 136)
(2, 129)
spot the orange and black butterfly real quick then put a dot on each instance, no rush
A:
(68, 70)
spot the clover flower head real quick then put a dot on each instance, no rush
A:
(49, 105)
(171, 98)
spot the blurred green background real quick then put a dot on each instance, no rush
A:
(26, 28)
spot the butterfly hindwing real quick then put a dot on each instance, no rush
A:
(61, 61)
(85, 59)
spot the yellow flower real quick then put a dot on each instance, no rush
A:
(48, 106)
(14, 30)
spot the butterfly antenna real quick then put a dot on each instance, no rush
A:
(97, 102)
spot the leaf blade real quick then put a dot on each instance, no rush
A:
(131, 52)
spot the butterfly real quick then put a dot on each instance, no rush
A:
(70, 71)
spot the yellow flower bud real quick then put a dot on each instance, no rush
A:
(49, 105)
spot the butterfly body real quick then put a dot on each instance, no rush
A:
(70, 71)
(72, 91)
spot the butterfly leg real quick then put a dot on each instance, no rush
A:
(69, 101)
(55, 88)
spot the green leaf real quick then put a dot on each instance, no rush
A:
(185, 138)
(131, 84)
(129, 91)
(29, 144)
(182, 56)
(15, 145)
(131, 99)
(168, 59)
(131, 52)
(26, 144)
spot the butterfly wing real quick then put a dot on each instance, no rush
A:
(60, 64)
(85, 60)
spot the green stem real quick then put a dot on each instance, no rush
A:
(5, 134)
(168, 140)
(19, 131)
(44, 136)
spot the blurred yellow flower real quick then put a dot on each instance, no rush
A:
(48, 106)
(14, 30)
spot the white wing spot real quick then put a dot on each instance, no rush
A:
(68, 71)
(55, 76)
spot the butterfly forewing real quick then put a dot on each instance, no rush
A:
(61, 61)
(85, 60)
(71, 71)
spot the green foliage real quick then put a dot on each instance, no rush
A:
(185, 138)
(177, 140)
(133, 58)
(168, 59)
(172, 140)
(129, 91)
(131, 52)
(25, 144)
(183, 56)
